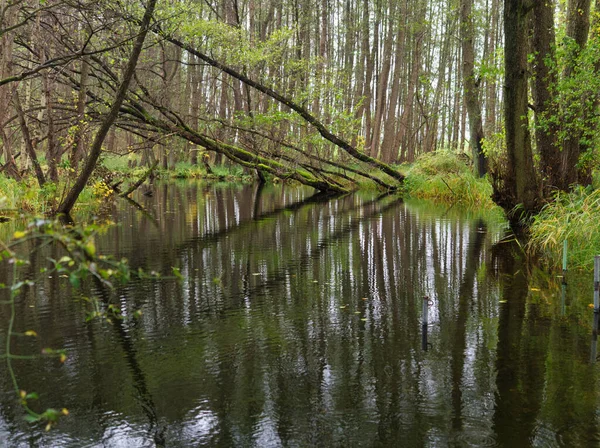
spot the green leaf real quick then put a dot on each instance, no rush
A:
(31, 418)
(177, 273)
(74, 280)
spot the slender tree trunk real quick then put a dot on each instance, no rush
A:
(28, 142)
(78, 143)
(381, 102)
(545, 78)
(471, 86)
(578, 25)
(67, 204)
(389, 149)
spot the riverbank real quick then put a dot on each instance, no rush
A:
(442, 177)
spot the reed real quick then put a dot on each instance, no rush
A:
(573, 217)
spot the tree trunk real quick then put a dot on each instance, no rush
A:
(78, 141)
(381, 102)
(520, 180)
(67, 204)
(28, 142)
(471, 87)
(544, 80)
(578, 25)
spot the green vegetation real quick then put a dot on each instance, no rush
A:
(25, 197)
(444, 177)
(79, 262)
(574, 217)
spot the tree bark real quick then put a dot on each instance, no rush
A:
(520, 180)
(546, 132)
(28, 142)
(67, 204)
(78, 140)
(578, 25)
(471, 87)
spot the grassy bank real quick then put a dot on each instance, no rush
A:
(25, 197)
(573, 217)
(181, 170)
(444, 177)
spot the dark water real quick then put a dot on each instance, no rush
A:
(298, 323)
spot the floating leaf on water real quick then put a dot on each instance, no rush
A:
(364, 319)
(503, 301)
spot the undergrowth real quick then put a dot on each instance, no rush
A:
(443, 177)
(573, 217)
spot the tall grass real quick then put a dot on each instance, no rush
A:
(25, 197)
(443, 177)
(574, 217)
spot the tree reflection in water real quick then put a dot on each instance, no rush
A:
(298, 322)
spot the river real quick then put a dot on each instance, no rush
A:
(298, 322)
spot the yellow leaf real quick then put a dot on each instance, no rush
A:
(19, 234)
(22, 393)
(65, 411)
(63, 357)
(30, 333)
(90, 249)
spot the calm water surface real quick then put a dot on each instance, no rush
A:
(298, 323)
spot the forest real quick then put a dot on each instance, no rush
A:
(328, 93)
(371, 250)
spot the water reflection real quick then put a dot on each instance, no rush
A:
(300, 322)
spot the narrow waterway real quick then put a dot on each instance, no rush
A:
(298, 322)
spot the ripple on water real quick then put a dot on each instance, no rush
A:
(476, 434)
(198, 429)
